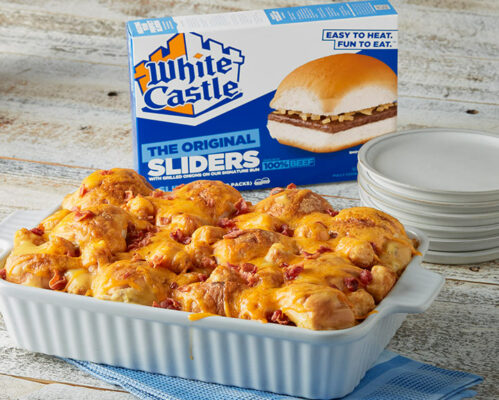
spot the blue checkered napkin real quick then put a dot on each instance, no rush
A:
(392, 377)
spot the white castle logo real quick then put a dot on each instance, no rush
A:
(189, 77)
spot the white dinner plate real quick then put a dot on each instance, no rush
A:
(462, 245)
(432, 218)
(436, 164)
(468, 257)
(444, 232)
(422, 205)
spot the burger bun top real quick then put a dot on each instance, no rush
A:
(337, 84)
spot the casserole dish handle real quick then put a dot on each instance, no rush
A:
(414, 292)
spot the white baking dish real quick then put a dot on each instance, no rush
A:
(282, 359)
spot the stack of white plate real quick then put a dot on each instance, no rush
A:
(442, 181)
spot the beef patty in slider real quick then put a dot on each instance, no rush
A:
(334, 102)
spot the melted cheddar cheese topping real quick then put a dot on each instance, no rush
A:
(289, 259)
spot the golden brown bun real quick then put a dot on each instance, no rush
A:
(336, 84)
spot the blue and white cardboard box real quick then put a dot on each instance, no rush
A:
(262, 98)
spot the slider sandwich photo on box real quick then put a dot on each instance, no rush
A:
(334, 103)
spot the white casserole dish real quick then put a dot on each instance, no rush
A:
(281, 359)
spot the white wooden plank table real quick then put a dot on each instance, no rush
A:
(64, 111)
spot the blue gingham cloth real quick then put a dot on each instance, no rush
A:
(392, 377)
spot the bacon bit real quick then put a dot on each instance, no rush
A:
(127, 274)
(39, 230)
(58, 281)
(333, 286)
(292, 272)
(291, 186)
(165, 220)
(233, 266)
(74, 252)
(278, 317)
(128, 195)
(276, 190)
(168, 303)
(160, 261)
(180, 237)
(233, 234)
(252, 280)
(308, 255)
(284, 265)
(248, 268)
(173, 285)
(332, 212)
(318, 252)
(333, 235)
(202, 277)
(366, 277)
(81, 215)
(136, 239)
(83, 190)
(241, 207)
(286, 230)
(157, 260)
(179, 186)
(247, 271)
(162, 195)
(226, 223)
(184, 288)
(351, 283)
(106, 172)
(207, 262)
(3, 274)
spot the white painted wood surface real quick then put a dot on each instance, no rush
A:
(59, 60)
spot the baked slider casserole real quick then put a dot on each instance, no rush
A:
(334, 102)
(290, 259)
